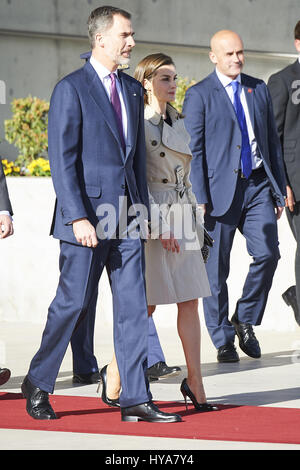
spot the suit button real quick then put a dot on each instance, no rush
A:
(123, 186)
(165, 180)
(238, 146)
(154, 142)
(236, 170)
(162, 154)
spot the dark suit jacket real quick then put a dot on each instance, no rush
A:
(216, 140)
(88, 165)
(5, 204)
(284, 88)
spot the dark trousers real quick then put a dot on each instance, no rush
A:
(252, 213)
(80, 271)
(82, 343)
(294, 221)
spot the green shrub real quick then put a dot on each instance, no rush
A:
(182, 85)
(27, 129)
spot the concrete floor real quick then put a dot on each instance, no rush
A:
(273, 380)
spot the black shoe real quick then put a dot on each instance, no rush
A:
(105, 399)
(160, 370)
(228, 353)
(290, 298)
(247, 340)
(4, 376)
(148, 412)
(187, 392)
(86, 379)
(38, 406)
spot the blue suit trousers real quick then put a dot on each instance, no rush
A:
(252, 213)
(80, 271)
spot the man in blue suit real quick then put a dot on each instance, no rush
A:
(237, 173)
(97, 157)
(85, 366)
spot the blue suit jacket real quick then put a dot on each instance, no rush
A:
(216, 140)
(88, 164)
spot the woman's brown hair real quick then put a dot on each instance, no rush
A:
(148, 66)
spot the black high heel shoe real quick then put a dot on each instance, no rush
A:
(105, 399)
(201, 407)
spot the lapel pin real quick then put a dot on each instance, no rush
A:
(249, 90)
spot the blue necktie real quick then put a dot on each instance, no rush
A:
(246, 159)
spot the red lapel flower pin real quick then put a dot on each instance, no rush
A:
(249, 90)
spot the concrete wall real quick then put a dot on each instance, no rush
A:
(41, 40)
(29, 266)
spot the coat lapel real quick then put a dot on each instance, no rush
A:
(98, 93)
(221, 94)
(249, 94)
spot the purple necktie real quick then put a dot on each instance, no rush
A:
(116, 103)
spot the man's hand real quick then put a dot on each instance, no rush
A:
(85, 233)
(6, 226)
(169, 242)
(289, 200)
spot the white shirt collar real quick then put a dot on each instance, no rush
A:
(226, 80)
(102, 71)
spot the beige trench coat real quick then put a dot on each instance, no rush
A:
(171, 277)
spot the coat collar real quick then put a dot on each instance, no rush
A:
(174, 137)
(249, 91)
(154, 117)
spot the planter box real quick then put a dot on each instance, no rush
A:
(29, 265)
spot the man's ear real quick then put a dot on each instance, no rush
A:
(297, 44)
(213, 57)
(99, 39)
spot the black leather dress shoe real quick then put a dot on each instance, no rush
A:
(290, 298)
(247, 340)
(228, 353)
(4, 375)
(86, 379)
(37, 406)
(160, 370)
(148, 412)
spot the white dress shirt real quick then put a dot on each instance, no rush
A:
(226, 82)
(103, 73)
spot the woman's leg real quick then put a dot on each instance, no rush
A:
(113, 386)
(188, 325)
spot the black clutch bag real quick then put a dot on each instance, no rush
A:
(207, 239)
(207, 244)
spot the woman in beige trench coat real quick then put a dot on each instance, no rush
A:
(175, 270)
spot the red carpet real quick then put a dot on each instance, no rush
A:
(90, 415)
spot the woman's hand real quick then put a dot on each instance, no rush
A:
(169, 242)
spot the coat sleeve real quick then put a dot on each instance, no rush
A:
(275, 150)
(139, 159)
(194, 112)
(280, 96)
(5, 204)
(64, 143)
